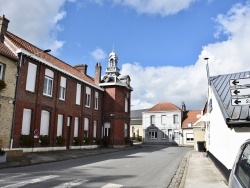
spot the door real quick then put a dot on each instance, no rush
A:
(170, 135)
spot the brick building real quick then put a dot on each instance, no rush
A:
(60, 106)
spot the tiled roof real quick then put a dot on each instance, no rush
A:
(5, 51)
(16, 42)
(233, 115)
(164, 106)
(190, 117)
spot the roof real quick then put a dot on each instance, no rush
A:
(233, 115)
(136, 117)
(164, 106)
(15, 43)
(6, 52)
(190, 117)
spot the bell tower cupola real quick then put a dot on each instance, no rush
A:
(112, 69)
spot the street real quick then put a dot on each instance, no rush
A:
(150, 166)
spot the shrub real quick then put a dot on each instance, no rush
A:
(127, 140)
(26, 140)
(76, 141)
(105, 141)
(87, 140)
(44, 140)
(97, 141)
(2, 85)
(60, 141)
(139, 138)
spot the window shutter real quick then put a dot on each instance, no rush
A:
(78, 94)
(44, 128)
(76, 127)
(26, 121)
(63, 82)
(31, 77)
(59, 125)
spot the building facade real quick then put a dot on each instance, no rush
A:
(162, 124)
(136, 130)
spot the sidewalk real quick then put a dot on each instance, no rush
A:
(195, 170)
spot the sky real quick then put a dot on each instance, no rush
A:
(161, 44)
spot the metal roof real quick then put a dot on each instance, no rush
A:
(235, 115)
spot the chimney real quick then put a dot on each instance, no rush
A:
(98, 70)
(82, 68)
(3, 27)
(183, 107)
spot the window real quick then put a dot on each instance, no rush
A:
(190, 124)
(45, 119)
(88, 97)
(243, 167)
(95, 128)
(59, 125)
(163, 119)
(176, 119)
(86, 127)
(152, 119)
(31, 77)
(96, 100)
(1, 71)
(48, 82)
(164, 134)
(125, 130)
(62, 88)
(78, 93)
(106, 131)
(126, 105)
(152, 134)
(76, 127)
(190, 137)
(26, 121)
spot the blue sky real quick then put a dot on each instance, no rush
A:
(161, 44)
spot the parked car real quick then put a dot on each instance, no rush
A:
(240, 174)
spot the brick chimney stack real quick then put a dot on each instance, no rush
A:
(82, 68)
(3, 27)
(98, 70)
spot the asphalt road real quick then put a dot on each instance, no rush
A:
(150, 166)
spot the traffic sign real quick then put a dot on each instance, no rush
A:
(239, 82)
(240, 101)
(240, 91)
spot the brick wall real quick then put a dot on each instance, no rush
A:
(6, 100)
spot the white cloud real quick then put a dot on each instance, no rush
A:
(98, 54)
(35, 21)
(160, 84)
(162, 7)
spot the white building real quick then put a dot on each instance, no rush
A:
(162, 124)
(228, 120)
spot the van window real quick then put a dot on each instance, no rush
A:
(243, 167)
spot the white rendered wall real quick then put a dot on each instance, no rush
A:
(224, 142)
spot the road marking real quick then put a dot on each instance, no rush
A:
(111, 185)
(36, 180)
(12, 177)
(71, 184)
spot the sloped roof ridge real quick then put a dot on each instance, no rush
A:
(163, 103)
(4, 50)
(21, 43)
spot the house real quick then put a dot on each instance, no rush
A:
(59, 106)
(136, 123)
(228, 120)
(189, 118)
(8, 71)
(162, 124)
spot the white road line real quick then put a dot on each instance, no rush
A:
(111, 185)
(36, 180)
(71, 184)
(12, 177)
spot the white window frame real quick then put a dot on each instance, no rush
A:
(189, 124)
(152, 120)
(45, 121)
(59, 125)
(152, 135)
(78, 93)
(1, 71)
(189, 137)
(31, 77)
(88, 97)
(96, 100)
(76, 127)
(175, 118)
(86, 127)
(164, 134)
(62, 93)
(48, 83)
(126, 104)
(163, 119)
(106, 130)
(27, 114)
(125, 130)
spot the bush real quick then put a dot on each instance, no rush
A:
(60, 141)
(44, 140)
(97, 141)
(87, 140)
(26, 140)
(105, 141)
(127, 140)
(139, 138)
(2, 152)
(76, 141)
